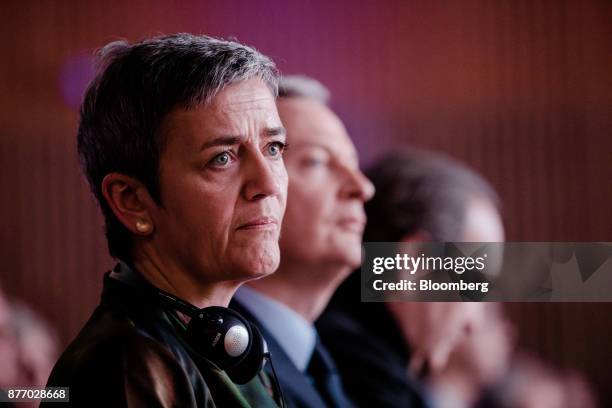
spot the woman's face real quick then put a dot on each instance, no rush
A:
(223, 186)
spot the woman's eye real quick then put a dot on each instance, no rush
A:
(221, 160)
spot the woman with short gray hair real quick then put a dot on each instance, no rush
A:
(181, 143)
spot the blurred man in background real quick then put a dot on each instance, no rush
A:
(320, 244)
(383, 350)
(479, 360)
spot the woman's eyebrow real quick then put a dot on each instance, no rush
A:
(221, 141)
(231, 140)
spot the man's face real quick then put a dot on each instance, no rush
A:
(485, 352)
(223, 186)
(325, 217)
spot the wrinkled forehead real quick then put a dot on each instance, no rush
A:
(252, 93)
(235, 111)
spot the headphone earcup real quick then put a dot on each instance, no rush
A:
(220, 335)
(253, 361)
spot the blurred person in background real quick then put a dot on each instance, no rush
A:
(320, 244)
(479, 361)
(531, 384)
(182, 145)
(28, 348)
(385, 350)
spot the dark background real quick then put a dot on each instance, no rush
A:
(520, 90)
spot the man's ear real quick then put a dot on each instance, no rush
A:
(130, 201)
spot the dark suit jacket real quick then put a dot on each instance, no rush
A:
(297, 389)
(131, 353)
(368, 349)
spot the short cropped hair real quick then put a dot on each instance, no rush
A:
(301, 86)
(418, 190)
(136, 86)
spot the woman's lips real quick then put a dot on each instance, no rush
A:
(260, 223)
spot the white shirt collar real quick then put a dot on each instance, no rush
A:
(295, 334)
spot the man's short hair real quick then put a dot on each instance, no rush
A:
(301, 86)
(418, 190)
(135, 88)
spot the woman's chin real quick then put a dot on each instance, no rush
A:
(260, 263)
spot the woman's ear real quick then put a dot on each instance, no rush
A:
(130, 201)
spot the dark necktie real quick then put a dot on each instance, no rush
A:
(325, 377)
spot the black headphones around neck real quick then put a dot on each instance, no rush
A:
(218, 334)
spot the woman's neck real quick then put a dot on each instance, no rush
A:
(173, 279)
